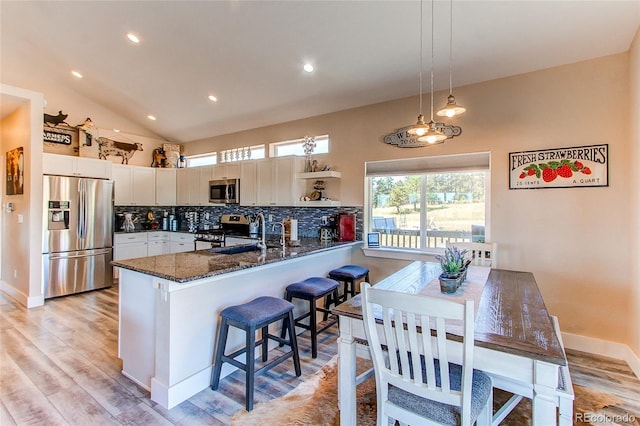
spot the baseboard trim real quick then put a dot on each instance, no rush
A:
(28, 301)
(604, 348)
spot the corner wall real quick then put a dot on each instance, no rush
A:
(575, 240)
(21, 253)
(634, 90)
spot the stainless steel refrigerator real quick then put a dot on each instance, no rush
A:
(77, 235)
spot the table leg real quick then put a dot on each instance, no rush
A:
(346, 374)
(545, 382)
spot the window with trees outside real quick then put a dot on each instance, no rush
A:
(424, 209)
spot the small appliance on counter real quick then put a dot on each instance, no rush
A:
(346, 227)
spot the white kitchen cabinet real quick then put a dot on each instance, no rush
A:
(276, 184)
(248, 183)
(129, 246)
(226, 171)
(68, 165)
(134, 185)
(192, 186)
(158, 243)
(181, 242)
(265, 174)
(166, 187)
(287, 188)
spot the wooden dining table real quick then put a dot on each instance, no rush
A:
(516, 340)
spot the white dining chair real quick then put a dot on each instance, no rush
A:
(485, 254)
(442, 392)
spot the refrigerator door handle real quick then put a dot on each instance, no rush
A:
(80, 232)
(74, 256)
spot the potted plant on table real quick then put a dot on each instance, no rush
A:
(453, 269)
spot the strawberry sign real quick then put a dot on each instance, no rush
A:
(560, 167)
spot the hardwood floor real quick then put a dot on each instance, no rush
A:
(59, 366)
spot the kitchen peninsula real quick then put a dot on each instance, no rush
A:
(170, 304)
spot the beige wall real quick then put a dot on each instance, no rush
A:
(574, 240)
(21, 254)
(634, 73)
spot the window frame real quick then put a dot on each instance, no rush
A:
(275, 146)
(473, 162)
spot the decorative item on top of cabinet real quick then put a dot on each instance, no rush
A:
(107, 147)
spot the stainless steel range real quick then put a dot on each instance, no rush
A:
(230, 225)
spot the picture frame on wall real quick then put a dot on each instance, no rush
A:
(580, 166)
(15, 171)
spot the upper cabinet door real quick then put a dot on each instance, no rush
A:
(265, 183)
(67, 165)
(248, 182)
(226, 171)
(166, 187)
(134, 185)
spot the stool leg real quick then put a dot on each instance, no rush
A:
(353, 287)
(220, 345)
(265, 343)
(314, 328)
(293, 342)
(288, 298)
(250, 366)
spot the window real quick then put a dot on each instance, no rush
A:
(254, 152)
(202, 159)
(423, 203)
(282, 149)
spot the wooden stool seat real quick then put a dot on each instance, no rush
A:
(348, 275)
(257, 314)
(311, 290)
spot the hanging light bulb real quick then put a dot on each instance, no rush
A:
(421, 127)
(433, 135)
(451, 109)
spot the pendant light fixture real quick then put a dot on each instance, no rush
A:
(451, 109)
(421, 127)
(433, 135)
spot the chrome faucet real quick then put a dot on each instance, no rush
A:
(262, 244)
(282, 239)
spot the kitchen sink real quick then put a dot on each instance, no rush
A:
(236, 249)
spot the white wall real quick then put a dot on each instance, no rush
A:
(22, 240)
(634, 308)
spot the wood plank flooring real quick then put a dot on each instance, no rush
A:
(59, 366)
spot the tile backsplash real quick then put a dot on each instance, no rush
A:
(309, 218)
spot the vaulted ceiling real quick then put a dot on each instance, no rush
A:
(249, 54)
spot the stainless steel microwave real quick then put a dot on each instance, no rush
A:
(224, 191)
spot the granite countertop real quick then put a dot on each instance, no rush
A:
(194, 265)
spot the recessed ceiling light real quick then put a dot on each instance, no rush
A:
(116, 130)
(213, 98)
(308, 67)
(134, 38)
(76, 74)
(151, 117)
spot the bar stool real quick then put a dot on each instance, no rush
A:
(348, 275)
(257, 314)
(312, 289)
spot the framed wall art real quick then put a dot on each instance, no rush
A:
(15, 171)
(581, 166)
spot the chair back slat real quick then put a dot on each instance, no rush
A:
(482, 254)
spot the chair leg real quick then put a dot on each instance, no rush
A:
(293, 342)
(485, 418)
(222, 341)
(250, 367)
